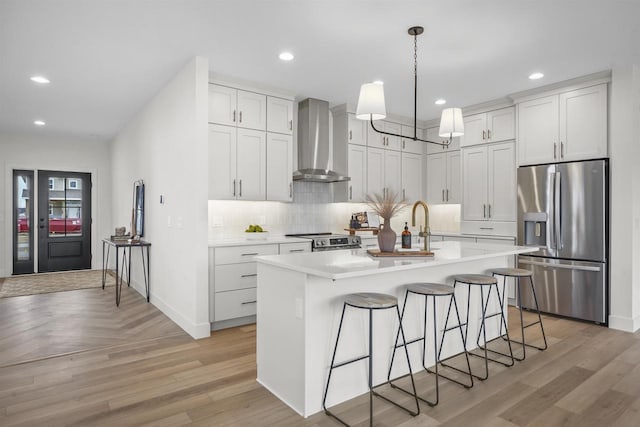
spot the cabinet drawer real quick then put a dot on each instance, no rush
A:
(231, 277)
(238, 254)
(490, 228)
(287, 248)
(232, 304)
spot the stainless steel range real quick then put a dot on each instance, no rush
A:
(329, 241)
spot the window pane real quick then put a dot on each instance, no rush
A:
(65, 207)
(24, 219)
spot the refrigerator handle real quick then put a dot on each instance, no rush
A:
(552, 217)
(557, 220)
(561, 266)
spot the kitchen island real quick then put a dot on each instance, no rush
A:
(300, 299)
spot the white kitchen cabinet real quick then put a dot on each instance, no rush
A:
(232, 283)
(412, 177)
(356, 130)
(279, 115)
(235, 107)
(564, 127)
(443, 178)
(489, 183)
(384, 171)
(290, 248)
(251, 165)
(357, 171)
(408, 144)
(279, 167)
(237, 163)
(432, 135)
(222, 162)
(380, 140)
(492, 126)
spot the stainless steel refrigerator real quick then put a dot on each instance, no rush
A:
(563, 210)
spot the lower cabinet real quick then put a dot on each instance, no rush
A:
(233, 277)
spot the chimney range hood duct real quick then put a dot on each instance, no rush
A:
(313, 143)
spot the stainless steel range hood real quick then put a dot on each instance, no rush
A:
(314, 150)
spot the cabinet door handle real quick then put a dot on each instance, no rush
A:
(486, 228)
(240, 116)
(444, 147)
(555, 147)
(403, 144)
(296, 250)
(484, 211)
(489, 205)
(561, 150)
(404, 194)
(350, 135)
(350, 192)
(251, 254)
(249, 302)
(249, 275)
(291, 189)
(234, 188)
(240, 192)
(234, 116)
(483, 134)
(290, 124)
(443, 194)
(447, 195)
(488, 133)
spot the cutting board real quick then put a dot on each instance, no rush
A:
(377, 253)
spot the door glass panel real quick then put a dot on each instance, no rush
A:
(23, 217)
(65, 207)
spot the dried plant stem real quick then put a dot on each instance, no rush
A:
(385, 205)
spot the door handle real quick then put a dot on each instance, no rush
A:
(240, 116)
(234, 116)
(234, 188)
(447, 195)
(443, 194)
(555, 147)
(290, 124)
(350, 192)
(488, 133)
(483, 135)
(561, 266)
(558, 212)
(489, 205)
(350, 135)
(240, 192)
(561, 150)
(484, 211)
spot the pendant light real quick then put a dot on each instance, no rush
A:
(371, 105)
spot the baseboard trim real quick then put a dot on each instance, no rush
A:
(626, 324)
(196, 330)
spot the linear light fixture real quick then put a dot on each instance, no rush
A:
(371, 105)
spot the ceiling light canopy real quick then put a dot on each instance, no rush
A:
(371, 105)
(440, 101)
(39, 123)
(286, 56)
(40, 79)
(535, 76)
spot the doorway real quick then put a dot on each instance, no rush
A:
(64, 221)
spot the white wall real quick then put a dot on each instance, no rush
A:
(166, 146)
(624, 143)
(34, 152)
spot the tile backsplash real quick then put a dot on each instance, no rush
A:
(311, 211)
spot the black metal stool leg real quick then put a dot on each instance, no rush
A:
(535, 299)
(333, 359)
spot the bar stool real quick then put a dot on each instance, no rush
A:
(517, 274)
(482, 281)
(433, 290)
(369, 301)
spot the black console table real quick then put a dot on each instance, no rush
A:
(107, 244)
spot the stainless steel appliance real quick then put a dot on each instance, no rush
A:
(563, 210)
(329, 241)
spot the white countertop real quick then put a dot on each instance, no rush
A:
(356, 263)
(243, 241)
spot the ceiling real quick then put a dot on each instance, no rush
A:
(107, 58)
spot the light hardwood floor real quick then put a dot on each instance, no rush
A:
(122, 370)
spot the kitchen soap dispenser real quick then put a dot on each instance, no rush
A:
(406, 237)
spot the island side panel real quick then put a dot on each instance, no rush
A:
(324, 301)
(280, 336)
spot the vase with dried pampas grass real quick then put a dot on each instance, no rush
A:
(386, 205)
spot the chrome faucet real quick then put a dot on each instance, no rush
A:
(427, 232)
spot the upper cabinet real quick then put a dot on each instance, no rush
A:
(279, 167)
(380, 140)
(412, 177)
(492, 126)
(357, 171)
(235, 107)
(409, 145)
(279, 115)
(564, 127)
(443, 178)
(432, 135)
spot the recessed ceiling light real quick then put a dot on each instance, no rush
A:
(536, 76)
(39, 123)
(40, 79)
(379, 82)
(286, 56)
(441, 101)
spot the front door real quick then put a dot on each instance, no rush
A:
(64, 221)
